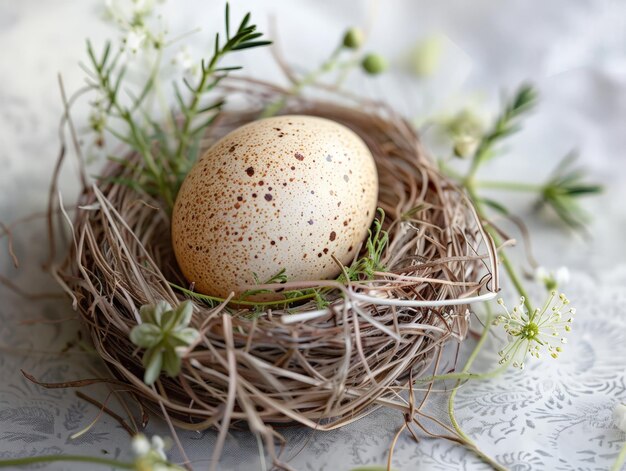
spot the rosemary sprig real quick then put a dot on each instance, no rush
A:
(507, 123)
(246, 37)
(166, 153)
(562, 192)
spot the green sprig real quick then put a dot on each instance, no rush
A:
(162, 332)
(167, 152)
(563, 190)
(506, 123)
(366, 266)
(195, 117)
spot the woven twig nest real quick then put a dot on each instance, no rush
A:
(321, 368)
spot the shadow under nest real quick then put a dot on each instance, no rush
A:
(326, 368)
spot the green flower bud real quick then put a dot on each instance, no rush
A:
(465, 146)
(353, 38)
(426, 56)
(374, 64)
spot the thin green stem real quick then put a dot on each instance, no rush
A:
(307, 80)
(135, 134)
(464, 376)
(215, 299)
(468, 441)
(515, 279)
(506, 262)
(508, 186)
(448, 170)
(193, 109)
(469, 178)
(621, 458)
(345, 68)
(67, 458)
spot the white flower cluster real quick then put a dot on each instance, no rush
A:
(530, 333)
(134, 19)
(150, 454)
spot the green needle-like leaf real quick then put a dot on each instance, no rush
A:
(506, 124)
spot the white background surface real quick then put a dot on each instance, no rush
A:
(555, 416)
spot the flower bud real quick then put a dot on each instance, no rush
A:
(353, 38)
(374, 64)
(465, 146)
(426, 56)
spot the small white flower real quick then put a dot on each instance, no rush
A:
(150, 454)
(140, 445)
(544, 329)
(134, 40)
(619, 415)
(541, 274)
(158, 446)
(139, 5)
(552, 280)
(185, 62)
(562, 276)
(139, 23)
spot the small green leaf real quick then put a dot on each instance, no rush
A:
(145, 335)
(185, 310)
(168, 321)
(171, 362)
(153, 362)
(496, 206)
(244, 22)
(153, 314)
(227, 20)
(251, 44)
(185, 336)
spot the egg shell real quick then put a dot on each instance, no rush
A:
(286, 192)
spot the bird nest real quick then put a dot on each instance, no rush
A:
(322, 368)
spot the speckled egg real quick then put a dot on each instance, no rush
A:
(287, 192)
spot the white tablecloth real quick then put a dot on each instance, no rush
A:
(556, 415)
